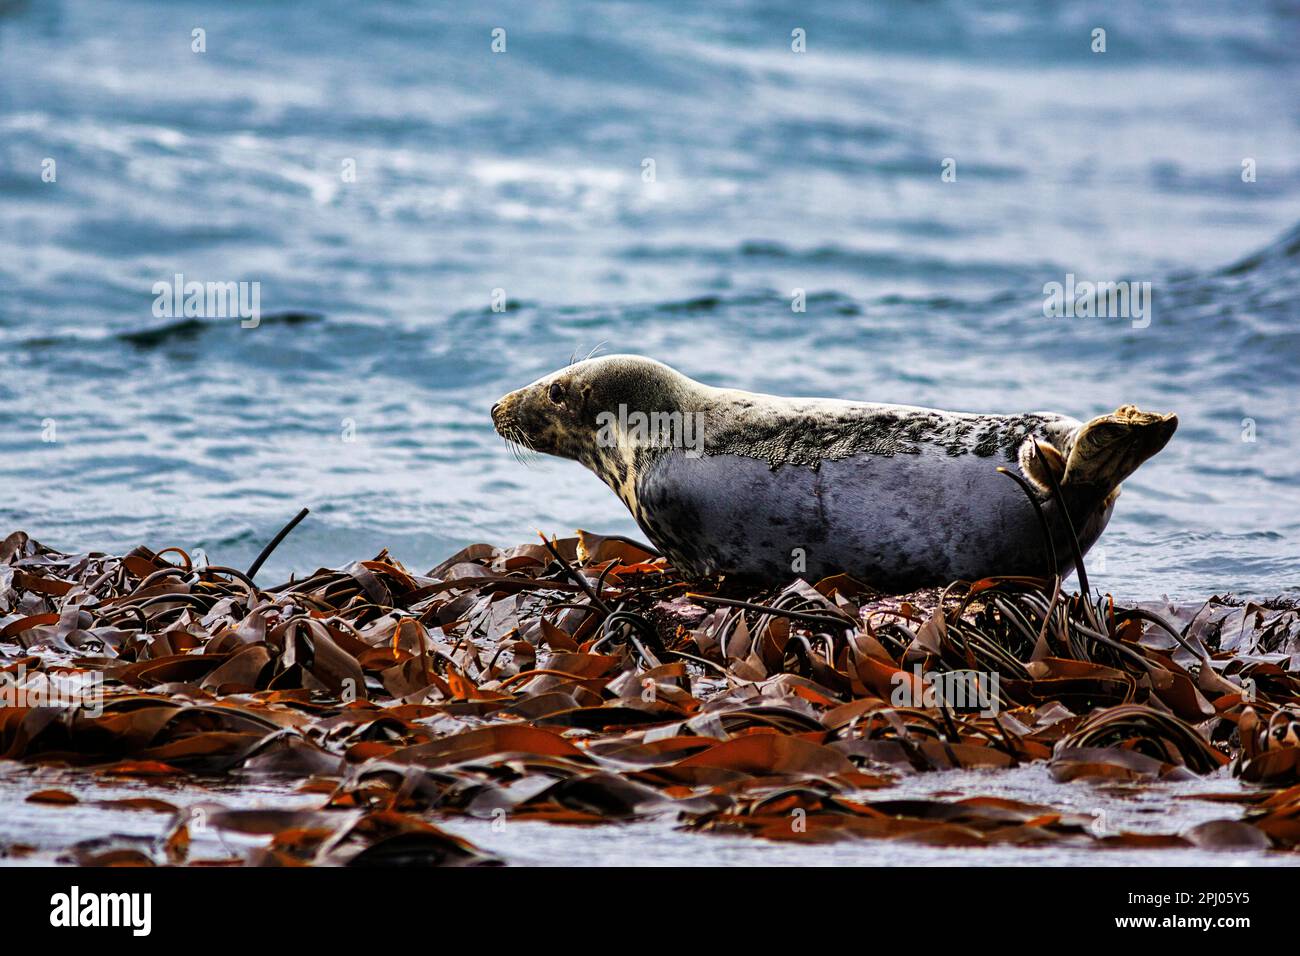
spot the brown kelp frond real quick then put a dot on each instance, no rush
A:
(588, 665)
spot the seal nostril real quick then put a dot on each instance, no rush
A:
(495, 407)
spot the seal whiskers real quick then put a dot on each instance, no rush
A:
(520, 450)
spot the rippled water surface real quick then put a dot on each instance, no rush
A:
(523, 171)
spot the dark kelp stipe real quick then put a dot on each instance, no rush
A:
(581, 681)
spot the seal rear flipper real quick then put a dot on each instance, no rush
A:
(1037, 458)
(1109, 448)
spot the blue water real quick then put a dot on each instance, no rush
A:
(523, 171)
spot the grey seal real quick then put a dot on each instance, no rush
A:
(765, 489)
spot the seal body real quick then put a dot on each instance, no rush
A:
(766, 488)
(896, 522)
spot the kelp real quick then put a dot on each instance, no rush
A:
(581, 681)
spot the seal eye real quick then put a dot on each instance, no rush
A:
(557, 393)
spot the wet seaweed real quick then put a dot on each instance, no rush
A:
(583, 681)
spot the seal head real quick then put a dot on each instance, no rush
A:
(588, 412)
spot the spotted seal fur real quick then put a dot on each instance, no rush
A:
(896, 495)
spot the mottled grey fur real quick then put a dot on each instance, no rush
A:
(897, 522)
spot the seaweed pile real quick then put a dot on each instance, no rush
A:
(581, 681)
